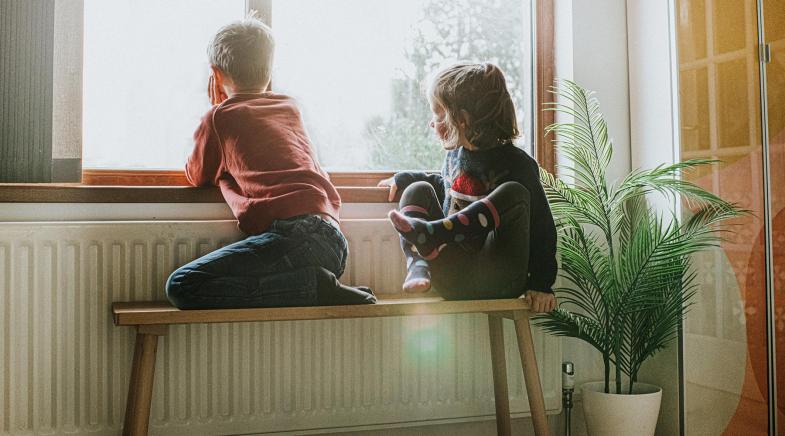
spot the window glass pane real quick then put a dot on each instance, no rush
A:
(145, 78)
(356, 67)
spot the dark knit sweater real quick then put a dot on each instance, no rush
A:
(468, 176)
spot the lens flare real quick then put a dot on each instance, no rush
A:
(427, 339)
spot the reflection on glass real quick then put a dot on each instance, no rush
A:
(725, 331)
(729, 28)
(692, 30)
(694, 100)
(737, 112)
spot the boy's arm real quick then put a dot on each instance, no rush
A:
(205, 164)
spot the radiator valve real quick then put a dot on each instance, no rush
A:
(567, 388)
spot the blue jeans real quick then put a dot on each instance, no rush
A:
(280, 267)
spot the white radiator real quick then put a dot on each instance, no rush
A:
(64, 367)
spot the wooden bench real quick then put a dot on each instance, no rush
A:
(153, 318)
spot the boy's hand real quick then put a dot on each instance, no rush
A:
(215, 91)
(393, 188)
(540, 302)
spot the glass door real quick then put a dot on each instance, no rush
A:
(725, 347)
(774, 36)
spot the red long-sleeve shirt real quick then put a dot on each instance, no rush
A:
(256, 149)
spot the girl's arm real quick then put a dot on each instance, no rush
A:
(542, 229)
(402, 180)
(406, 178)
(542, 246)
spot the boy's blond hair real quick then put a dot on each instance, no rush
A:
(477, 92)
(243, 50)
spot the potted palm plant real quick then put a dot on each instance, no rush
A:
(626, 268)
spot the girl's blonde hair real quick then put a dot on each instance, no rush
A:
(478, 95)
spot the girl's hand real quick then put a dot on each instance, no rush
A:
(393, 187)
(540, 302)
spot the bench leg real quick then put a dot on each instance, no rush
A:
(140, 387)
(530, 374)
(132, 390)
(499, 365)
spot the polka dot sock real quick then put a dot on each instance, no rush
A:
(429, 237)
(418, 275)
(418, 272)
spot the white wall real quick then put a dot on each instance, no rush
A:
(654, 141)
(600, 64)
(652, 82)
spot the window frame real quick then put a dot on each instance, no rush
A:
(162, 186)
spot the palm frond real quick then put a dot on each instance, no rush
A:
(667, 180)
(572, 202)
(652, 330)
(586, 266)
(633, 210)
(584, 141)
(563, 323)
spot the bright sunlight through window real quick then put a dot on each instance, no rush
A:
(355, 66)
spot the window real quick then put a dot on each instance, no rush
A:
(145, 78)
(357, 70)
(355, 66)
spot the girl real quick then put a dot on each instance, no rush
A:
(482, 228)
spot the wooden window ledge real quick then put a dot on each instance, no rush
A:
(81, 193)
(167, 186)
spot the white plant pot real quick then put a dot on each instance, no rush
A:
(621, 414)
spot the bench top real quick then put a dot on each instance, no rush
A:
(162, 312)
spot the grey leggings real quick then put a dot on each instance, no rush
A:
(494, 267)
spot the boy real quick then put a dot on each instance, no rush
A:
(252, 144)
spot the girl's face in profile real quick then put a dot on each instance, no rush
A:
(439, 125)
(438, 122)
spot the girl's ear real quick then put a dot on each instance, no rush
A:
(464, 119)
